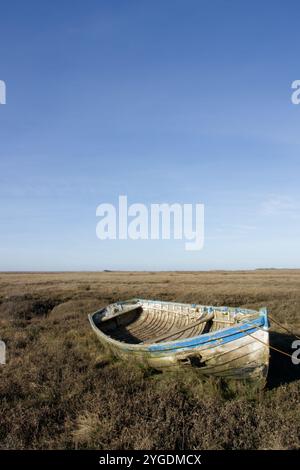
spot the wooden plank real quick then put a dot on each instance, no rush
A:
(181, 330)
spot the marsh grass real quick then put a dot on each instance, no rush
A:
(61, 389)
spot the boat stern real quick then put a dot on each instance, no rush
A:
(263, 313)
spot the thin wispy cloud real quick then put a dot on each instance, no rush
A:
(280, 205)
(232, 231)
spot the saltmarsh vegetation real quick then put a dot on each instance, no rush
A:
(60, 389)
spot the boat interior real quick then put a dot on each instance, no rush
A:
(151, 322)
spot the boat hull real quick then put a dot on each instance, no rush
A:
(240, 351)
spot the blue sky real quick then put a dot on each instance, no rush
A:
(173, 101)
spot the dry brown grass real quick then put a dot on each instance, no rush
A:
(59, 389)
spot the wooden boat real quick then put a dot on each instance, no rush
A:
(220, 341)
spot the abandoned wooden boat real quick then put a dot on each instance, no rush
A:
(219, 341)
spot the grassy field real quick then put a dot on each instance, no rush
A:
(59, 389)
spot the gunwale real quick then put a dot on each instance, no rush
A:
(195, 341)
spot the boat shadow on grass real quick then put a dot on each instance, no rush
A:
(281, 368)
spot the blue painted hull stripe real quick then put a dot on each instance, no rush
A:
(210, 340)
(210, 344)
(229, 333)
